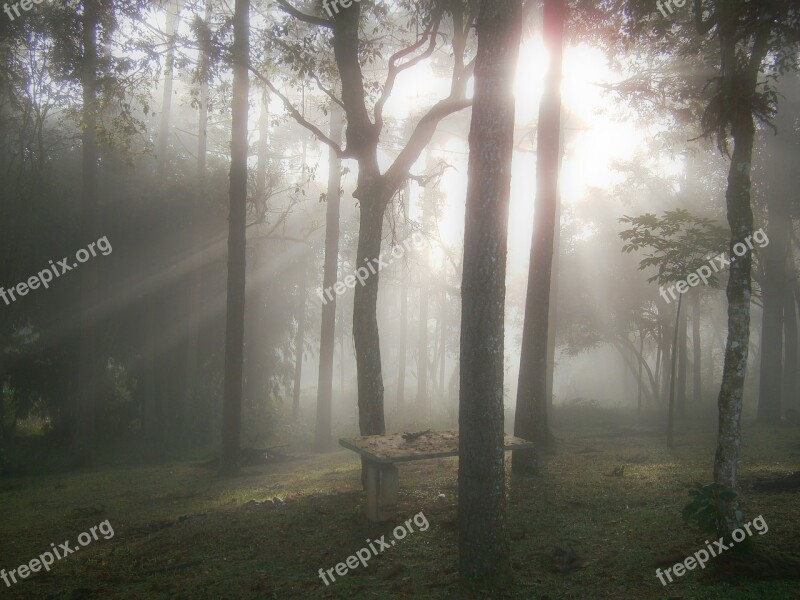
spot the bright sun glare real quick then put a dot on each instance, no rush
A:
(594, 137)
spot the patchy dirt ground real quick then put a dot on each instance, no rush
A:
(577, 532)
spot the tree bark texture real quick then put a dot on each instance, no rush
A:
(483, 547)
(531, 412)
(237, 244)
(329, 278)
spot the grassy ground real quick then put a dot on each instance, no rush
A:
(182, 533)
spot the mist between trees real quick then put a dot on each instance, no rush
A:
(571, 166)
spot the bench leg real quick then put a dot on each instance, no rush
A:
(382, 481)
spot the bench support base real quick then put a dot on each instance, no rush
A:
(381, 483)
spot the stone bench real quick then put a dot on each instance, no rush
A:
(381, 452)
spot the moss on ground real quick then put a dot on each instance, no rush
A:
(576, 532)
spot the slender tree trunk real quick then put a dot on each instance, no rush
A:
(90, 371)
(329, 277)
(666, 364)
(696, 352)
(553, 319)
(403, 341)
(256, 356)
(531, 412)
(443, 341)
(159, 373)
(673, 367)
(772, 295)
(483, 548)
(341, 353)
(237, 244)
(628, 353)
(736, 81)
(173, 19)
(195, 417)
(423, 403)
(683, 329)
(422, 350)
(299, 339)
(658, 365)
(790, 332)
(639, 380)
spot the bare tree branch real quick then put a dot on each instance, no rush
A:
(287, 48)
(394, 69)
(423, 133)
(297, 116)
(301, 16)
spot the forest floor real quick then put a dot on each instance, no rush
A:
(576, 532)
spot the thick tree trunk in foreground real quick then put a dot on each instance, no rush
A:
(483, 548)
(531, 413)
(327, 337)
(237, 223)
(90, 371)
(740, 219)
(365, 322)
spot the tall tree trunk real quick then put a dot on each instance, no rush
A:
(402, 345)
(639, 377)
(443, 340)
(195, 417)
(159, 372)
(735, 82)
(327, 336)
(428, 198)
(772, 294)
(483, 548)
(375, 190)
(365, 322)
(696, 352)
(173, 19)
(658, 362)
(666, 363)
(237, 244)
(672, 369)
(341, 352)
(90, 370)
(683, 329)
(531, 412)
(256, 356)
(299, 339)
(790, 332)
(553, 319)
